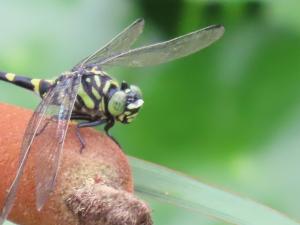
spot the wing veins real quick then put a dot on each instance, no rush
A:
(11, 195)
(120, 43)
(166, 51)
(29, 137)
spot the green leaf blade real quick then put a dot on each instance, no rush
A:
(169, 186)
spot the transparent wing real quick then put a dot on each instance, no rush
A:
(165, 51)
(122, 42)
(55, 126)
(52, 115)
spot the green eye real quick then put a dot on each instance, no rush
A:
(116, 104)
(136, 90)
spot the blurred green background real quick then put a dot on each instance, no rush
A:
(228, 115)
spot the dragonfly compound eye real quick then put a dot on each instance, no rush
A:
(117, 102)
(133, 103)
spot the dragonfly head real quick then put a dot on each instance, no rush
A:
(125, 103)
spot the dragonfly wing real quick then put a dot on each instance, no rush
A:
(27, 141)
(55, 126)
(166, 51)
(122, 42)
(49, 107)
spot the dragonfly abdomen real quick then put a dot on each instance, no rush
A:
(39, 86)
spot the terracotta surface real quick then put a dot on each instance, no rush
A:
(100, 167)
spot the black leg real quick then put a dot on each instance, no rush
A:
(43, 128)
(110, 123)
(53, 118)
(80, 117)
(86, 124)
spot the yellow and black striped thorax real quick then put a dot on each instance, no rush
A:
(100, 96)
(94, 92)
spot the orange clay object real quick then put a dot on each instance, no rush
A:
(94, 187)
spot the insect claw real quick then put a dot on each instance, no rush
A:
(81, 140)
(114, 140)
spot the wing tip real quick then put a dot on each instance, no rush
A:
(1, 220)
(217, 29)
(140, 20)
(220, 27)
(41, 198)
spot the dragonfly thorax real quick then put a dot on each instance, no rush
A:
(125, 103)
(102, 98)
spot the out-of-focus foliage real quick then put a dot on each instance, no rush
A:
(229, 115)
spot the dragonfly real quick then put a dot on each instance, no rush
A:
(88, 94)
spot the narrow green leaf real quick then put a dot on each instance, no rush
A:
(174, 188)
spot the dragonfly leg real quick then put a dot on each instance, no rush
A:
(110, 123)
(53, 118)
(86, 124)
(81, 117)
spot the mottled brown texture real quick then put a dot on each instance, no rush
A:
(102, 167)
(101, 204)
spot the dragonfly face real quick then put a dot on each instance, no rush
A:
(126, 103)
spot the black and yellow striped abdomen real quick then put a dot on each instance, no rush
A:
(39, 86)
